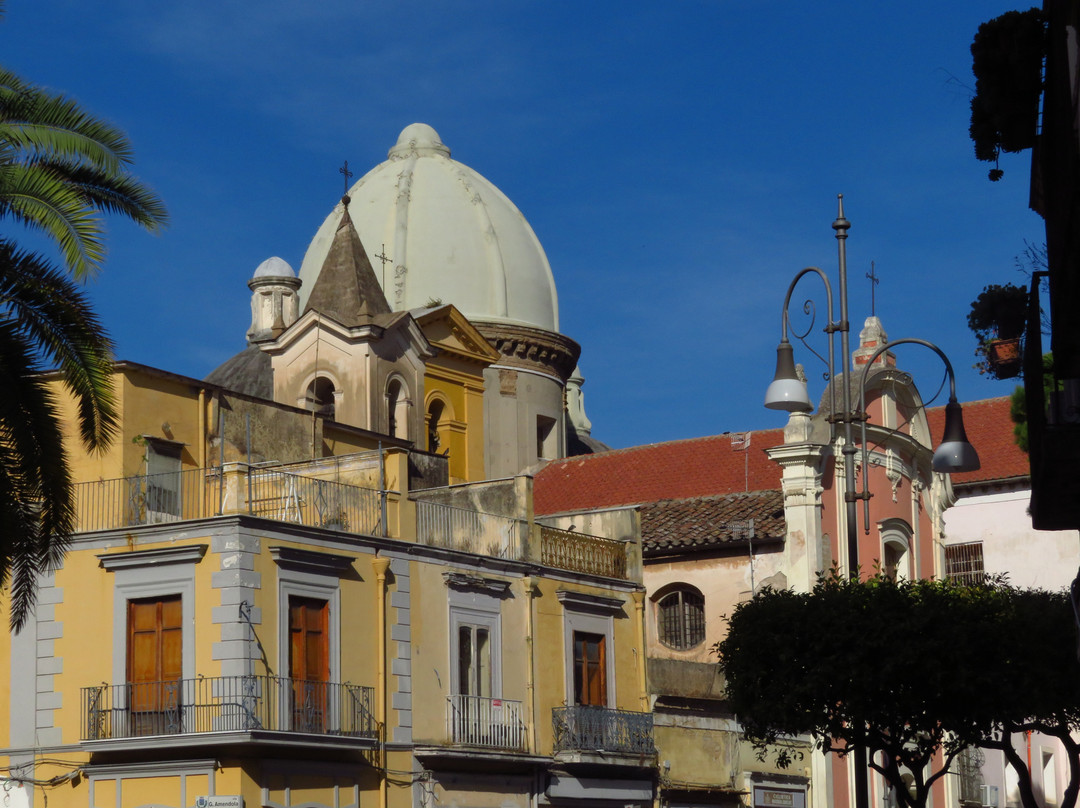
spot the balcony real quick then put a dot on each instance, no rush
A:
(580, 552)
(440, 525)
(227, 704)
(479, 721)
(202, 493)
(601, 729)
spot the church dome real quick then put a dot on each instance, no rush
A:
(435, 229)
(274, 268)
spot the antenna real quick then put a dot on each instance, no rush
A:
(740, 442)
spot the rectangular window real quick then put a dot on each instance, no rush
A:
(309, 662)
(154, 664)
(590, 669)
(162, 482)
(547, 446)
(964, 562)
(474, 661)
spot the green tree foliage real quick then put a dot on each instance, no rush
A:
(60, 170)
(908, 670)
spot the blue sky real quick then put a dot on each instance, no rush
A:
(679, 162)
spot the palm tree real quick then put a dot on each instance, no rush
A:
(60, 170)
(46, 321)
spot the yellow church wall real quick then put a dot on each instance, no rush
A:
(461, 426)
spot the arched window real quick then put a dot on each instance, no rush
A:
(397, 410)
(680, 618)
(434, 421)
(320, 397)
(896, 549)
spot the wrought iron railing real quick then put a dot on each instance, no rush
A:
(602, 729)
(201, 493)
(227, 704)
(580, 552)
(479, 721)
(311, 501)
(439, 525)
(148, 499)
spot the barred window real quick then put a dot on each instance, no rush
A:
(964, 562)
(681, 618)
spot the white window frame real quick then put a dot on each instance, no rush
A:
(479, 609)
(160, 573)
(591, 614)
(307, 574)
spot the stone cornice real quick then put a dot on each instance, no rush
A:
(532, 348)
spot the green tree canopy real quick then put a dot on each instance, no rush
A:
(906, 669)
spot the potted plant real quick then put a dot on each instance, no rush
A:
(998, 318)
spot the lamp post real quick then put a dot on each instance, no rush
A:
(789, 393)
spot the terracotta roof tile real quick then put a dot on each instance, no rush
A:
(705, 522)
(990, 430)
(658, 471)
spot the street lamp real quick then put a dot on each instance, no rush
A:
(788, 392)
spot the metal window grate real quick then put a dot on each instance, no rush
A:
(682, 619)
(964, 562)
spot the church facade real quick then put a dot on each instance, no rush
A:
(316, 577)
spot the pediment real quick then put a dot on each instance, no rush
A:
(450, 331)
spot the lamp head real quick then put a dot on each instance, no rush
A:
(787, 391)
(955, 452)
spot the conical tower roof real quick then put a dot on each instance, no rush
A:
(346, 289)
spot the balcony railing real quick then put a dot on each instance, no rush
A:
(201, 493)
(580, 552)
(587, 728)
(439, 525)
(148, 499)
(227, 704)
(310, 501)
(479, 721)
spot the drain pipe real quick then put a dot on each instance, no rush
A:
(639, 619)
(530, 687)
(381, 564)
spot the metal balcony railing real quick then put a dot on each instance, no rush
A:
(586, 728)
(311, 501)
(227, 704)
(201, 493)
(439, 525)
(580, 552)
(479, 721)
(148, 499)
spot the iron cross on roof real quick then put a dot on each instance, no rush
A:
(348, 175)
(874, 281)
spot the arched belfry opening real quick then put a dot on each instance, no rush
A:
(397, 410)
(320, 397)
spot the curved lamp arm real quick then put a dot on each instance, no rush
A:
(786, 392)
(954, 453)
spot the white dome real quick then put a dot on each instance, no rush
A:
(274, 268)
(447, 234)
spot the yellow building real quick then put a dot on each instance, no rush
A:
(293, 583)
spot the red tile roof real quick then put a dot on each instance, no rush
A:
(712, 466)
(990, 430)
(676, 470)
(704, 523)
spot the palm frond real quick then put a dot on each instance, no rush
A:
(114, 192)
(42, 122)
(42, 200)
(37, 510)
(56, 317)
